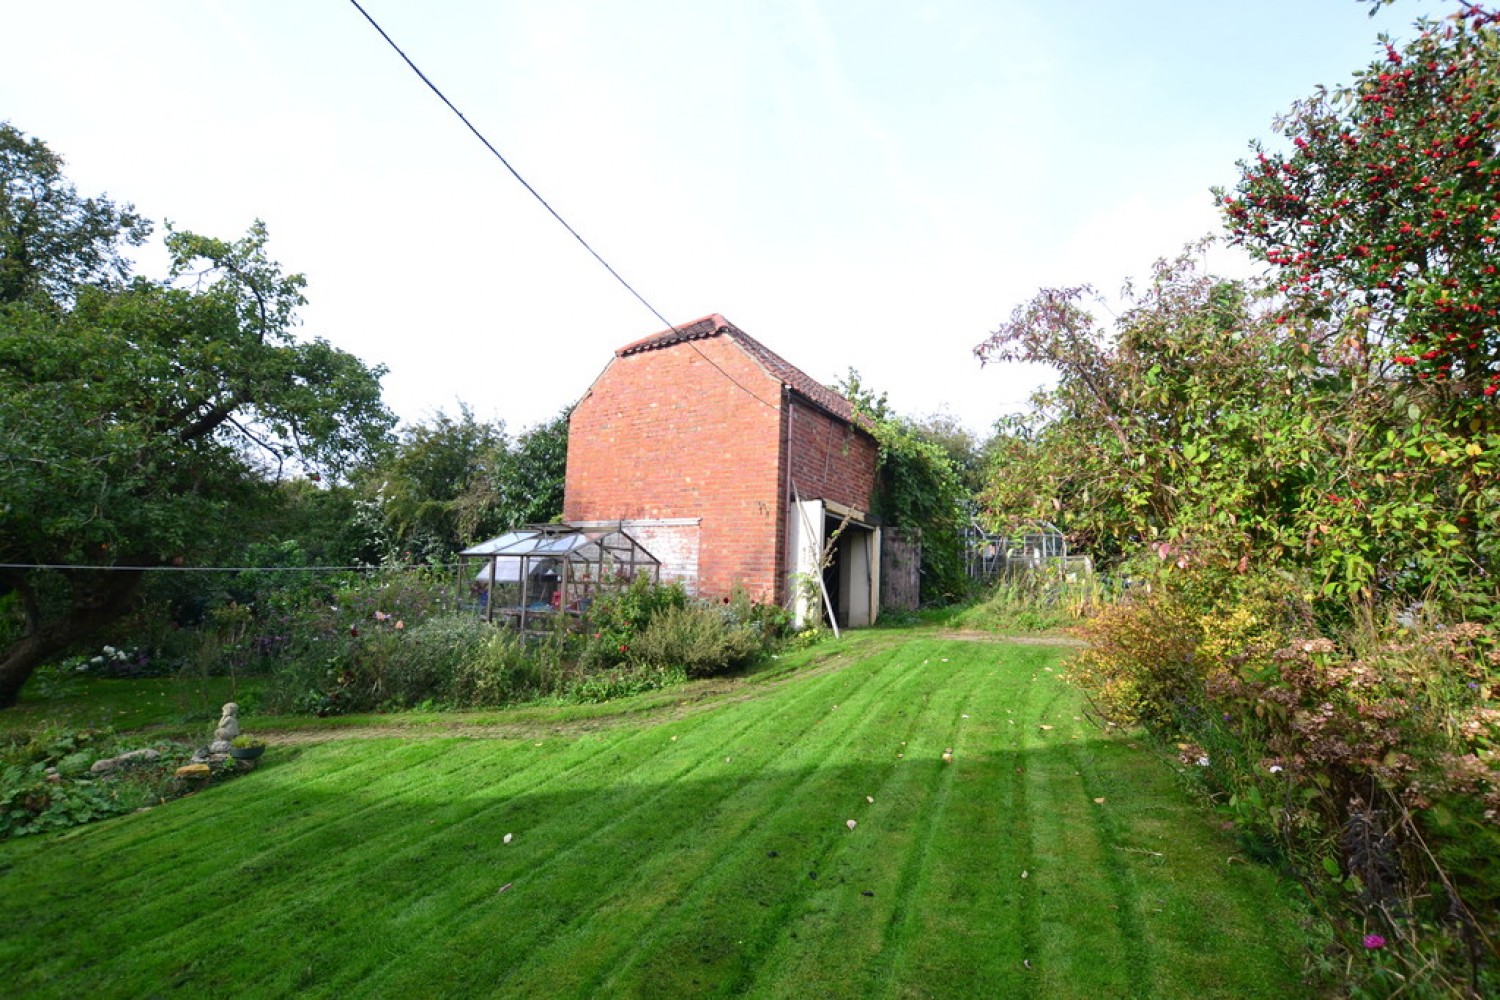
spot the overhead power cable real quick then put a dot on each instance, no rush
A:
(506, 163)
(552, 211)
(210, 569)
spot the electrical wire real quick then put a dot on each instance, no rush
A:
(552, 211)
(211, 569)
(506, 163)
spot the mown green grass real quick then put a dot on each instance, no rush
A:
(120, 704)
(693, 853)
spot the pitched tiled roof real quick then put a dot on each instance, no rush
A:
(778, 367)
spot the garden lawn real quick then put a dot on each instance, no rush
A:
(700, 851)
(111, 703)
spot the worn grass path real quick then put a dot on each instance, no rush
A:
(700, 852)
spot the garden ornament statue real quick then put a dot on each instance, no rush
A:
(229, 723)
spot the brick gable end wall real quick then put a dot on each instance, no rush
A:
(664, 434)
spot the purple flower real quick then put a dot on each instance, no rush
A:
(1373, 941)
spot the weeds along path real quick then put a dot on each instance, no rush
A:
(698, 849)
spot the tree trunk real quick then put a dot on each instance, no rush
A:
(98, 600)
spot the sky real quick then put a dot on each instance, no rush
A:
(855, 183)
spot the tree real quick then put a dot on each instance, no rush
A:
(138, 419)
(51, 240)
(1380, 223)
(451, 481)
(1182, 425)
(1385, 212)
(1202, 429)
(420, 486)
(524, 485)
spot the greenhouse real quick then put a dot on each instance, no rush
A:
(533, 578)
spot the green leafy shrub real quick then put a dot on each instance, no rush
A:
(46, 783)
(701, 639)
(1141, 663)
(386, 664)
(643, 637)
(621, 682)
(1365, 763)
(616, 620)
(507, 667)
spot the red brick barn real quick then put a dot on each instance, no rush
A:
(701, 442)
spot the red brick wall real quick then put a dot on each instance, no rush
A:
(664, 434)
(830, 459)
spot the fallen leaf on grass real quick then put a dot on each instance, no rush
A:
(1141, 850)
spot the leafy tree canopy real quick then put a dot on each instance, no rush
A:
(451, 481)
(1340, 422)
(1384, 210)
(139, 418)
(52, 240)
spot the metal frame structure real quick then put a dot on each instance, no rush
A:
(1026, 546)
(534, 577)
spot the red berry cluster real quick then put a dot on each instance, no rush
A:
(1390, 202)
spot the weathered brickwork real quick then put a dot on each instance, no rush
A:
(696, 430)
(830, 459)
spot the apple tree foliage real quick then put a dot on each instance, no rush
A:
(1205, 435)
(140, 420)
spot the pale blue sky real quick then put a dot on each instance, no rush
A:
(873, 184)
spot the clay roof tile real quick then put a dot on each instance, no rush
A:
(715, 325)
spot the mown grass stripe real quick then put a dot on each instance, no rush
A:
(672, 805)
(150, 900)
(842, 948)
(1075, 896)
(742, 869)
(948, 919)
(435, 875)
(229, 859)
